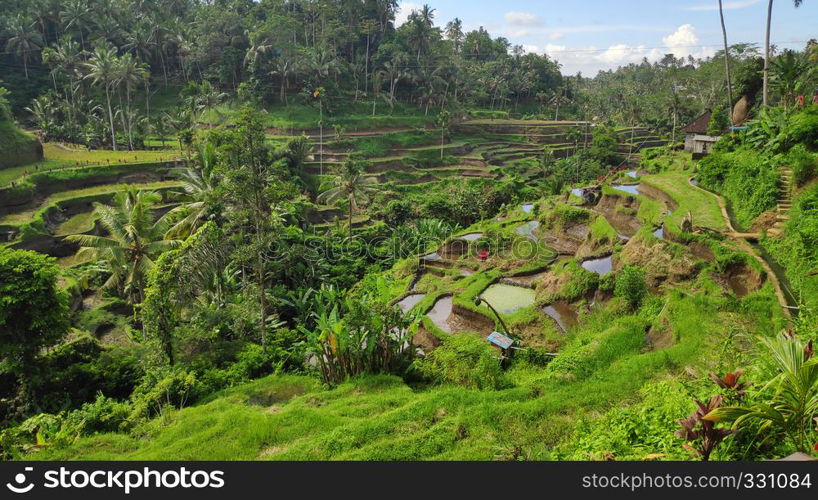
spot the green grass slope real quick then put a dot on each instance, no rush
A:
(605, 365)
(17, 147)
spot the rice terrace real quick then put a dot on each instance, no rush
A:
(372, 230)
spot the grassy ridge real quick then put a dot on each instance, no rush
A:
(701, 204)
(58, 157)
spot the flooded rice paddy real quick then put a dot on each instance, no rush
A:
(507, 299)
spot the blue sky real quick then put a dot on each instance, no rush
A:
(596, 34)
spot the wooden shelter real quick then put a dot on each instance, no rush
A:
(696, 139)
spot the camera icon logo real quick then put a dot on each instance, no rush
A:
(20, 480)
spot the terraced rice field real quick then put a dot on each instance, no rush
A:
(59, 156)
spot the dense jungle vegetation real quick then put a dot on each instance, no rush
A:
(284, 230)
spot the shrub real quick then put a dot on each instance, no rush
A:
(718, 121)
(75, 372)
(803, 164)
(464, 360)
(804, 127)
(635, 431)
(164, 388)
(51, 430)
(33, 312)
(745, 177)
(102, 415)
(631, 286)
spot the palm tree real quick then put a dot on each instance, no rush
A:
(726, 65)
(368, 26)
(23, 40)
(557, 99)
(102, 69)
(159, 127)
(159, 38)
(181, 124)
(138, 42)
(443, 123)
(323, 62)
(393, 73)
(283, 67)
(454, 32)
(43, 109)
(134, 241)
(421, 23)
(129, 73)
(208, 97)
(75, 15)
(66, 58)
(352, 185)
(199, 183)
(767, 55)
(791, 395)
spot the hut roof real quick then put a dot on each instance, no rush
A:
(699, 125)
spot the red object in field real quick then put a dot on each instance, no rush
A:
(800, 100)
(483, 255)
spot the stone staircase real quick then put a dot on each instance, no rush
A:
(784, 202)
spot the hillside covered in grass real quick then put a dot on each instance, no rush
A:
(18, 147)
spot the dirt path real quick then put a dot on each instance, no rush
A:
(742, 240)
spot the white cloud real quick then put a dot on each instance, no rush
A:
(683, 37)
(682, 42)
(523, 19)
(736, 4)
(404, 9)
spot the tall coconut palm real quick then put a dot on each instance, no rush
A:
(393, 73)
(75, 16)
(726, 65)
(350, 185)
(23, 39)
(66, 58)
(323, 62)
(129, 74)
(558, 98)
(102, 70)
(283, 68)
(767, 54)
(454, 32)
(199, 183)
(133, 243)
(368, 26)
